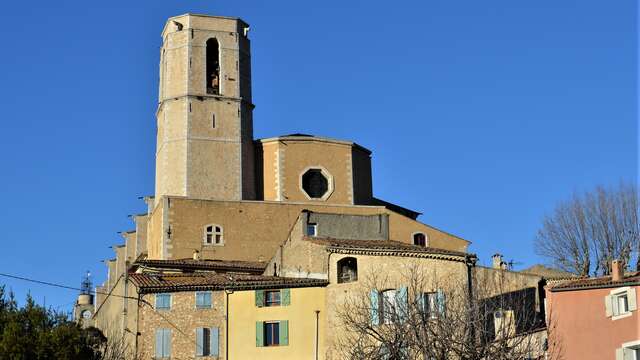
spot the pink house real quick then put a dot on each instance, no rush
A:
(595, 318)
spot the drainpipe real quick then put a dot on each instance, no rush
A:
(317, 331)
(470, 262)
(226, 336)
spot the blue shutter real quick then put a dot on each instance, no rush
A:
(440, 297)
(166, 343)
(401, 303)
(375, 304)
(215, 340)
(199, 341)
(207, 299)
(159, 335)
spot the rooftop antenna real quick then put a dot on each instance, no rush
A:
(513, 262)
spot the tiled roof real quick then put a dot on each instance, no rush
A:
(597, 282)
(153, 283)
(386, 247)
(190, 264)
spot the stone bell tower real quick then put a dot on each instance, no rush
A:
(205, 125)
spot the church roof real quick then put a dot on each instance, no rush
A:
(190, 264)
(154, 283)
(308, 137)
(387, 247)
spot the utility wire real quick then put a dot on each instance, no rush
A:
(62, 286)
(109, 294)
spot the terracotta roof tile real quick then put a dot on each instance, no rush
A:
(154, 282)
(597, 282)
(190, 264)
(382, 246)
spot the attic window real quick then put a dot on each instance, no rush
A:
(419, 239)
(213, 235)
(315, 183)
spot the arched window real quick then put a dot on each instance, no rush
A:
(347, 270)
(213, 235)
(420, 239)
(213, 67)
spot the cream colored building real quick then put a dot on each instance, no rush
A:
(229, 208)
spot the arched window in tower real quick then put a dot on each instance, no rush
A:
(213, 235)
(213, 67)
(347, 270)
(419, 239)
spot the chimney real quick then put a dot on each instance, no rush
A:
(497, 261)
(617, 270)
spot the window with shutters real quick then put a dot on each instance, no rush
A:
(163, 301)
(268, 298)
(272, 333)
(163, 343)
(389, 306)
(213, 235)
(207, 341)
(347, 270)
(629, 351)
(203, 299)
(432, 304)
(621, 302)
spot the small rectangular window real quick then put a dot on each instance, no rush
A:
(271, 333)
(312, 229)
(163, 301)
(272, 298)
(203, 299)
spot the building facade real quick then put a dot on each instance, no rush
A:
(248, 246)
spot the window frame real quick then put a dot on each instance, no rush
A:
(340, 274)
(216, 233)
(326, 174)
(313, 226)
(426, 238)
(388, 309)
(275, 336)
(614, 302)
(204, 307)
(268, 303)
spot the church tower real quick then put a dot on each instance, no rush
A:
(205, 125)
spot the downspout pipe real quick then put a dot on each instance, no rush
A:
(470, 262)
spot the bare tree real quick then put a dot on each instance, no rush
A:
(112, 346)
(445, 319)
(587, 232)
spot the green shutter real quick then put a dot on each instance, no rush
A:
(284, 332)
(259, 298)
(259, 333)
(285, 295)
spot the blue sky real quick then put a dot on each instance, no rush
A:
(480, 114)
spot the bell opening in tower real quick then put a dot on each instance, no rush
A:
(213, 67)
